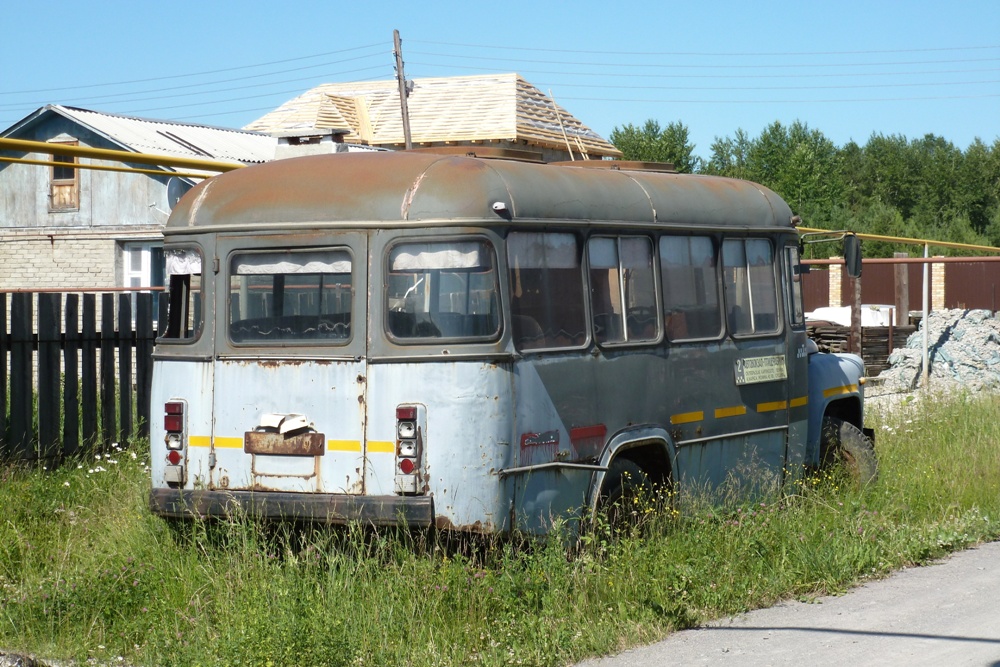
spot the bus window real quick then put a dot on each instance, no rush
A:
(690, 279)
(182, 267)
(794, 290)
(751, 293)
(622, 289)
(290, 296)
(442, 290)
(546, 285)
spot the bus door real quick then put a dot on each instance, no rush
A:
(291, 366)
(751, 406)
(798, 360)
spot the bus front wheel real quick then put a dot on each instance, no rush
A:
(843, 444)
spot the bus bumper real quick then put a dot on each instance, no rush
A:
(412, 511)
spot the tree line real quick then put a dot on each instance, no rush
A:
(893, 186)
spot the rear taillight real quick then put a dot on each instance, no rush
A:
(173, 424)
(409, 448)
(173, 417)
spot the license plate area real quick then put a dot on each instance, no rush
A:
(277, 444)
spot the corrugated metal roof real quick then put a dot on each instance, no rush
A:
(178, 139)
(450, 109)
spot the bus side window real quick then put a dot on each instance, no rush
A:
(751, 292)
(793, 287)
(690, 278)
(546, 290)
(622, 289)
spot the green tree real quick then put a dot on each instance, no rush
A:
(651, 143)
(730, 157)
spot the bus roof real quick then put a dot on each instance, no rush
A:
(395, 188)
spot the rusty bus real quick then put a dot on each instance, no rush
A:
(484, 345)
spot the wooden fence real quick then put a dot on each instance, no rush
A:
(70, 377)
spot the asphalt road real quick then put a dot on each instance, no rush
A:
(945, 614)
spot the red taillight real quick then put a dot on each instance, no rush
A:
(174, 457)
(173, 418)
(407, 412)
(406, 466)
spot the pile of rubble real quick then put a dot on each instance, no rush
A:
(963, 348)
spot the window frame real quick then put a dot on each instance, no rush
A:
(657, 300)
(187, 295)
(581, 245)
(73, 184)
(287, 343)
(720, 300)
(747, 267)
(496, 299)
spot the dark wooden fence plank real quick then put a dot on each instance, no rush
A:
(109, 421)
(124, 367)
(71, 378)
(88, 370)
(49, 408)
(143, 359)
(21, 390)
(4, 348)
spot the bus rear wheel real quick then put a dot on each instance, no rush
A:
(844, 445)
(626, 486)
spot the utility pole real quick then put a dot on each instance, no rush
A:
(403, 91)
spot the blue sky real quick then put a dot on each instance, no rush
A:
(846, 68)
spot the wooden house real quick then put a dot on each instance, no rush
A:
(62, 226)
(498, 110)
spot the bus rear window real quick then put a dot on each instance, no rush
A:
(290, 296)
(442, 290)
(182, 266)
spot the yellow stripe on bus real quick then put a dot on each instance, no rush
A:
(229, 443)
(344, 445)
(840, 391)
(798, 402)
(735, 411)
(687, 417)
(772, 406)
(381, 446)
(199, 441)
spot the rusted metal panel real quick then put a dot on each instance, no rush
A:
(384, 187)
(304, 444)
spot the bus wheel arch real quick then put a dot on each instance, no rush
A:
(642, 464)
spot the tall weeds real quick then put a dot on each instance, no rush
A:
(86, 571)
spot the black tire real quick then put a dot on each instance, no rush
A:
(625, 482)
(843, 444)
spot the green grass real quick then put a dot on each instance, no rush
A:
(87, 572)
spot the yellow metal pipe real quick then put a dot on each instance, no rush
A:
(103, 167)
(901, 239)
(53, 148)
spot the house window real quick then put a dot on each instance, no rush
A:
(142, 264)
(64, 185)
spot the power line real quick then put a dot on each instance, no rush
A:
(179, 76)
(708, 53)
(214, 90)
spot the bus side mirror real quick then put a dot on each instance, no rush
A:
(852, 255)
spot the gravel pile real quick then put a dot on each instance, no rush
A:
(964, 352)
